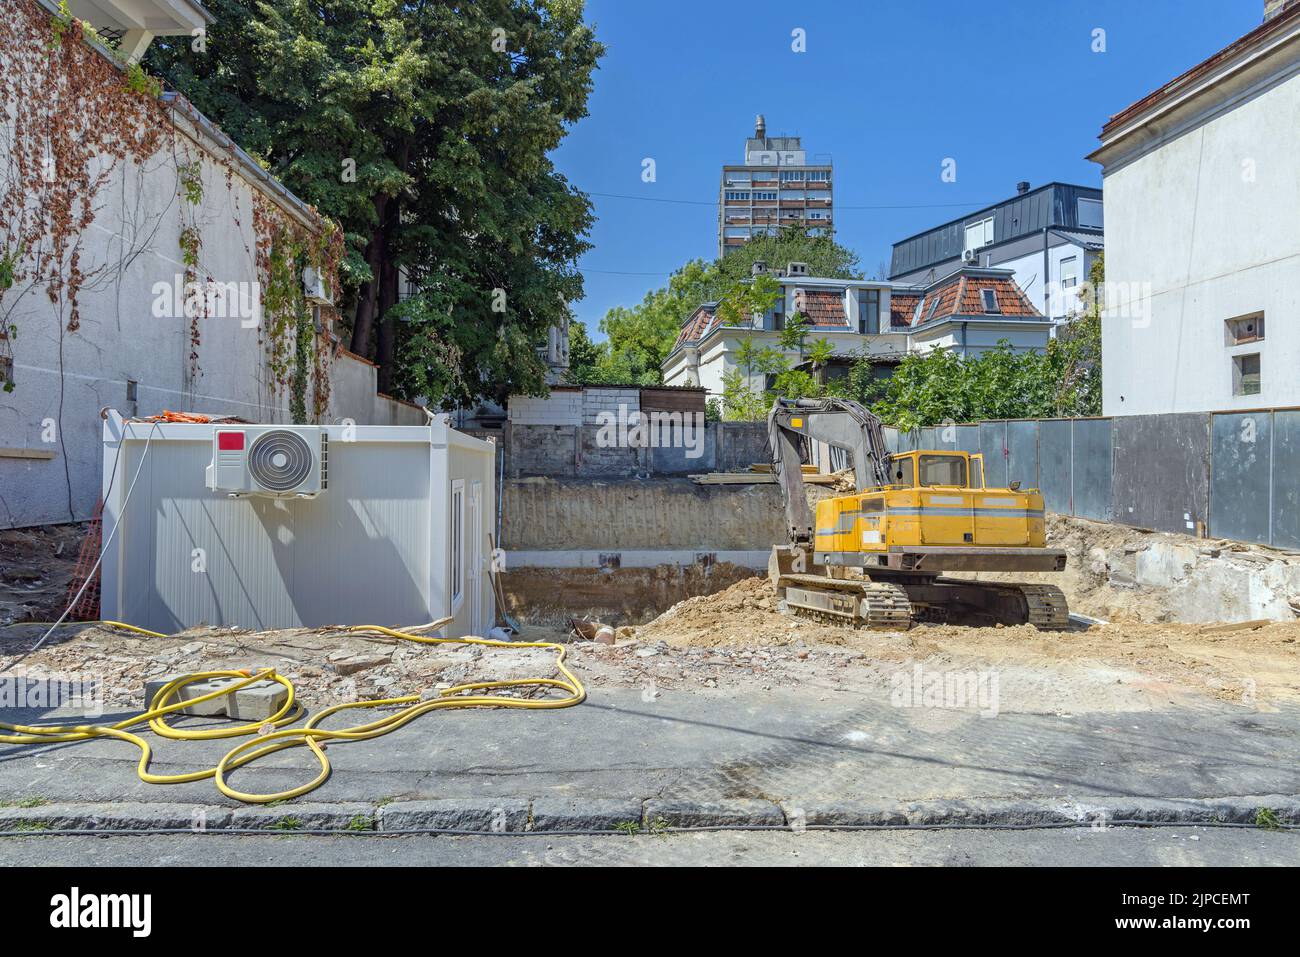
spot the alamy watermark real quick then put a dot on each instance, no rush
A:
(953, 690)
(180, 298)
(627, 429)
(23, 688)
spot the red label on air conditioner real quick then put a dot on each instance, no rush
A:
(230, 441)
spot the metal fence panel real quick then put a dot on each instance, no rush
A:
(968, 438)
(1092, 468)
(1241, 465)
(1022, 453)
(1162, 477)
(1286, 479)
(993, 442)
(1054, 465)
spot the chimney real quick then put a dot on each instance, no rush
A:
(760, 127)
(1022, 187)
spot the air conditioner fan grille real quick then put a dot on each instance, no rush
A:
(279, 461)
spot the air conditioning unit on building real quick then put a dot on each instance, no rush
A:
(315, 288)
(971, 257)
(269, 460)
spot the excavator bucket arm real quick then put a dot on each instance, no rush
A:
(839, 423)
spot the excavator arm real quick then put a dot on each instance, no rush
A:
(839, 423)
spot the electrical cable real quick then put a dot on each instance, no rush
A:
(90, 576)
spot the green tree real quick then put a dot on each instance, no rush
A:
(645, 333)
(426, 130)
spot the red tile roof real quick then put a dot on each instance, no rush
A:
(821, 307)
(696, 325)
(961, 295)
(902, 306)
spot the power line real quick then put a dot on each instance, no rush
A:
(834, 205)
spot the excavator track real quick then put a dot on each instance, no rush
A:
(1047, 606)
(879, 606)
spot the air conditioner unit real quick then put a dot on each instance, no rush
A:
(276, 461)
(971, 256)
(315, 288)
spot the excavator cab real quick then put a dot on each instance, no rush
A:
(936, 469)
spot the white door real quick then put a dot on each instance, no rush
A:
(475, 558)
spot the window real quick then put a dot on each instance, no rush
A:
(990, 299)
(792, 194)
(1090, 214)
(737, 179)
(735, 195)
(821, 176)
(816, 214)
(869, 314)
(820, 194)
(734, 231)
(792, 176)
(979, 234)
(1069, 272)
(934, 307)
(765, 194)
(1245, 374)
(903, 474)
(1245, 329)
(943, 470)
(457, 539)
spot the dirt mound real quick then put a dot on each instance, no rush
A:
(1252, 663)
(744, 614)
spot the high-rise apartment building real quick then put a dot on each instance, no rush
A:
(775, 187)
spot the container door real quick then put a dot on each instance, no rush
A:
(475, 558)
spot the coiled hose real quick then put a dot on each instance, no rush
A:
(274, 735)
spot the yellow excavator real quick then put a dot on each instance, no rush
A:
(877, 558)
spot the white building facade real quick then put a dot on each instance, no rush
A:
(969, 311)
(1202, 181)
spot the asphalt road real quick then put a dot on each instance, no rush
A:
(819, 746)
(1113, 847)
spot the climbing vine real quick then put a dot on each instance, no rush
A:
(297, 357)
(72, 116)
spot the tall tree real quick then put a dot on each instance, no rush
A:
(424, 127)
(640, 337)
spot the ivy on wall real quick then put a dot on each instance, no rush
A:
(297, 357)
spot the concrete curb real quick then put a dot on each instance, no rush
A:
(550, 814)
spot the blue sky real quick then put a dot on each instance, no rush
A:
(1010, 89)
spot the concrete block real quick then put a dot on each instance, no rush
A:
(255, 702)
(713, 813)
(123, 816)
(583, 814)
(303, 817)
(455, 815)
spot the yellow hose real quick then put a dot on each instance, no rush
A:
(271, 735)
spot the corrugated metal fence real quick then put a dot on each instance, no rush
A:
(1231, 475)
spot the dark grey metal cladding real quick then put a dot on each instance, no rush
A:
(1286, 479)
(1092, 466)
(1022, 453)
(993, 442)
(1052, 205)
(1161, 471)
(1242, 466)
(1055, 478)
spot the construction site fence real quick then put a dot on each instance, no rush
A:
(1233, 475)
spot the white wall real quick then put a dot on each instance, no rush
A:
(979, 337)
(1200, 242)
(62, 379)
